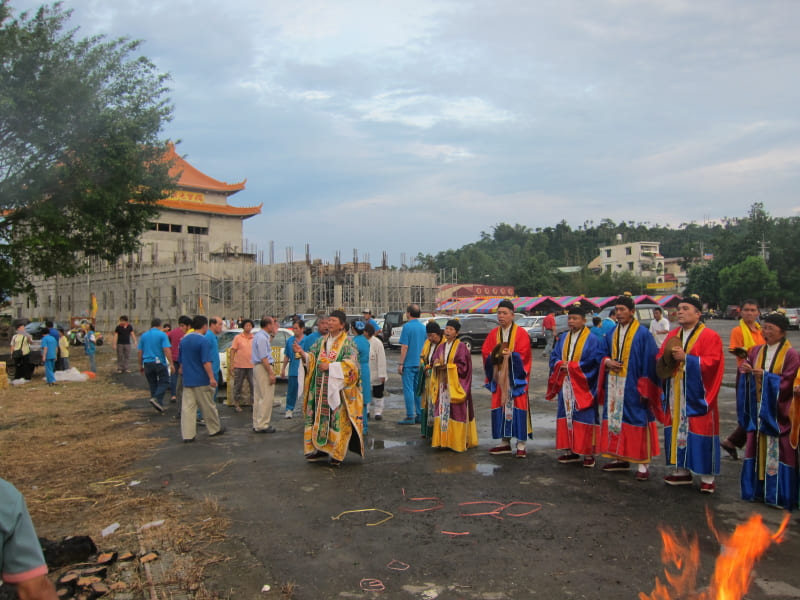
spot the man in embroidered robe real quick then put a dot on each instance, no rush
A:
(690, 410)
(507, 362)
(454, 415)
(333, 407)
(743, 338)
(769, 414)
(574, 368)
(628, 433)
(425, 389)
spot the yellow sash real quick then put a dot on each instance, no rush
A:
(576, 356)
(511, 336)
(626, 347)
(457, 393)
(747, 335)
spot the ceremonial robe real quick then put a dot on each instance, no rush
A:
(425, 388)
(770, 467)
(577, 419)
(628, 431)
(332, 403)
(507, 380)
(454, 415)
(690, 412)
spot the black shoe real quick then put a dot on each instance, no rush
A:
(188, 441)
(220, 432)
(156, 405)
(201, 422)
(269, 429)
(379, 417)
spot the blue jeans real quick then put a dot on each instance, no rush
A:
(173, 380)
(50, 370)
(413, 402)
(156, 375)
(92, 365)
(291, 392)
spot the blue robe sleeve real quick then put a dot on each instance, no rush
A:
(768, 415)
(696, 405)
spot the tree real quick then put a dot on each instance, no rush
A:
(748, 279)
(81, 163)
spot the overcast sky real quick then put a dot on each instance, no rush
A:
(412, 126)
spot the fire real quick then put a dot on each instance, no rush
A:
(733, 569)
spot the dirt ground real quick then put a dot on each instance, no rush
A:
(563, 531)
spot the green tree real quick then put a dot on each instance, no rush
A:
(81, 162)
(704, 281)
(749, 279)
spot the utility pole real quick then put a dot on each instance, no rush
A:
(763, 244)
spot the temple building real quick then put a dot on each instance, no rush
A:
(194, 259)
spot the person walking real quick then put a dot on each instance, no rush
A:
(21, 352)
(549, 326)
(124, 340)
(377, 371)
(90, 345)
(264, 376)
(49, 353)
(292, 356)
(199, 382)
(154, 358)
(242, 363)
(411, 340)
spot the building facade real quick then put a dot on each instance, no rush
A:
(642, 259)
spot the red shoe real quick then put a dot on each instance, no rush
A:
(520, 453)
(643, 475)
(616, 465)
(588, 462)
(569, 457)
(708, 488)
(679, 480)
(505, 449)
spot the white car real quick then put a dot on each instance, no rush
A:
(394, 339)
(225, 340)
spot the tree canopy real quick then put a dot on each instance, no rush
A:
(81, 161)
(724, 259)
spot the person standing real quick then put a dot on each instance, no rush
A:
(242, 363)
(264, 376)
(574, 370)
(769, 414)
(377, 370)
(368, 318)
(214, 329)
(690, 410)
(507, 362)
(21, 352)
(451, 381)
(124, 339)
(744, 338)
(154, 357)
(199, 381)
(175, 336)
(411, 340)
(291, 359)
(49, 353)
(425, 377)
(21, 559)
(628, 433)
(659, 326)
(63, 350)
(90, 345)
(362, 345)
(333, 407)
(549, 326)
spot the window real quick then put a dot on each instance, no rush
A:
(417, 294)
(608, 253)
(630, 266)
(133, 298)
(175, 228)
(111, 300)
(197, 230)
(105, 300)
(174, 301)
(163, 226)
(628, 250)
(608, 268)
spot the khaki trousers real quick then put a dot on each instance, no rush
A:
(203, 397)
(262, 398)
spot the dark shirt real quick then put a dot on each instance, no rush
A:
(124, 333)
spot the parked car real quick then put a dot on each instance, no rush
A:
(793, 314)
(475, 330)
(644, 313)
(533, 325)
(395, 318)
(225, 340)
(394, 338)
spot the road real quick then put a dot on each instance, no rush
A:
(572, 532)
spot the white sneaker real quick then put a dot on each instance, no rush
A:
(289, 414)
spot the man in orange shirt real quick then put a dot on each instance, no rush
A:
(743, 337)
(241, 361)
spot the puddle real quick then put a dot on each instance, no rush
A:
(485, 469)
(385, 444)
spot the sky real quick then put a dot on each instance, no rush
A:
(413, 126)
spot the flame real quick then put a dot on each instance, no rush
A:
(733, 569)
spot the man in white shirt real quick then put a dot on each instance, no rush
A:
(659, 326)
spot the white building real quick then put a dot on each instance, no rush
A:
(642, 259)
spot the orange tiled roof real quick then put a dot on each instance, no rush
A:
(218, 209)
(190, 177)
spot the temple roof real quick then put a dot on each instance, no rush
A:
(193, 178)
(217, 209)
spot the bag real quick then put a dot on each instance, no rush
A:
(16, 355)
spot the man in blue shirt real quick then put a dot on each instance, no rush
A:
(199, 382)
(264, 376)
(291, 357)
(367, 318)
(214, 329)
(411, 341)
(154, 356)
(49, 352)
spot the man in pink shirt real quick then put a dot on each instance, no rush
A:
(175, 336)
(241, 361)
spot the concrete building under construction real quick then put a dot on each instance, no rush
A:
(194, 260)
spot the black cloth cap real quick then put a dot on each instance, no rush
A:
(626, 301)
(778, 319)
(576, 309)
(433, 327)
(506, 304)
(455, 324)
(694, 301)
